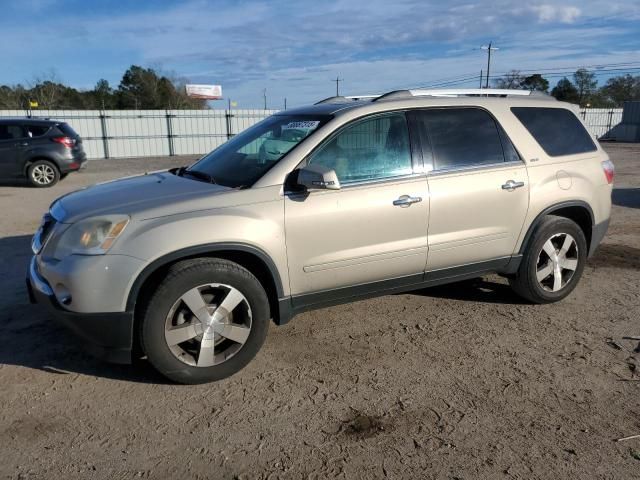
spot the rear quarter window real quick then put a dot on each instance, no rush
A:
(67, 130)
(557, 130)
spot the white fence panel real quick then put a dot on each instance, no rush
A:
(600, 121)
(144, 133)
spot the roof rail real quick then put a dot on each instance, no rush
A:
(472, 92)
(439, 92)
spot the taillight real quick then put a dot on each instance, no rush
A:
(66, 141)
(609, 170)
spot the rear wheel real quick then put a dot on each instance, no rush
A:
(43, 173)
(553, 263)
(205, 322)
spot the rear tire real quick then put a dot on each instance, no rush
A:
(206, 321)
(553, 262)
(43, 174)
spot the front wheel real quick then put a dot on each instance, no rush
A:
(553, 262)
(205, 322)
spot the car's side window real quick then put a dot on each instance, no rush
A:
(11, 132)
(370, 149)
(37, 130)
(464, 137)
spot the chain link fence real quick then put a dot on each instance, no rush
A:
(149, 133)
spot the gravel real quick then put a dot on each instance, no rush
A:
(461, 381)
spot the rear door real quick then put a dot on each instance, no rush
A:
(375, 227)
(13, 141)
(479, 188)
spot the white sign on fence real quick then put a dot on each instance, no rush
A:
(207, 92)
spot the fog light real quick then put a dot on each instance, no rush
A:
(63, 295)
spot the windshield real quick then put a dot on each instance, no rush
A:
(245, 158)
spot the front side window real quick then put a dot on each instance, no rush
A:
(557, 130)
(245, 158)
(371, 149)
(462, 137)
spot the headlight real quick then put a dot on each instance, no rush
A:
(93, 236)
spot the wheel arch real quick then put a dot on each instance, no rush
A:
(576, 210)
(31, 160)
(252, 258)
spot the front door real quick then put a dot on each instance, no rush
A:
(375, 227)
(479, 188)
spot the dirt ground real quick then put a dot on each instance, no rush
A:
(458, 382)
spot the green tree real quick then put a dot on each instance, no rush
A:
(620, 89)
(535, 82)
(586, 85)
(565, 91)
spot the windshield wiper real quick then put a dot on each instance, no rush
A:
(197, 174)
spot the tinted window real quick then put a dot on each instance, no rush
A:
(11, 132)
(67, 130)
(37, 130)
(370, 149)
(462, 137)
(557, 130)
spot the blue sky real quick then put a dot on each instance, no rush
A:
(294, 49)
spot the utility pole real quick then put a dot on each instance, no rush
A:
(285, 103)
(264, 95)
(338, 80)
(488, 48)
(480, 78)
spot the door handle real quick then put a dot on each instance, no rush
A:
(511, 185)
(22, 144)
(405, 201)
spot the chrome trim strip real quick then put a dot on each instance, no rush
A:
(36, 280)
(473, 168)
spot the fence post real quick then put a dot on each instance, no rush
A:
(105, 137)
(610, 120)
(170, 133)
(228, 115)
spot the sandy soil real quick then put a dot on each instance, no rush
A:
(463, 381)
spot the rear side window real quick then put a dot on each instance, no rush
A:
(463, 137)
(37, 130)
(11, 132)
(557, 130)
(67, 130)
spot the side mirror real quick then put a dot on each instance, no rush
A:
(318, 177)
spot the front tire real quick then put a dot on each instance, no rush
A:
(553, 262)
(206, 321)
(43, 174)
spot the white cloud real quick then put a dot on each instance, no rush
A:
(555, 13)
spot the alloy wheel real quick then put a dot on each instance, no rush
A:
(43, 174)
(557, 262)
(208, 325)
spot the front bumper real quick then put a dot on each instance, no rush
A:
(108, 336)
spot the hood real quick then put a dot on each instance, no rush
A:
(153, 194)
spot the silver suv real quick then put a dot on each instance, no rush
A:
(346, 199)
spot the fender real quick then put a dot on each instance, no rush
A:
(199, 250)
(557, 206)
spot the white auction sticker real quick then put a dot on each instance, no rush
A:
(301, 125)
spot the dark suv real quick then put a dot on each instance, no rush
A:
(43, 151)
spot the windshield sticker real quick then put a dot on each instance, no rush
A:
(301, 125)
